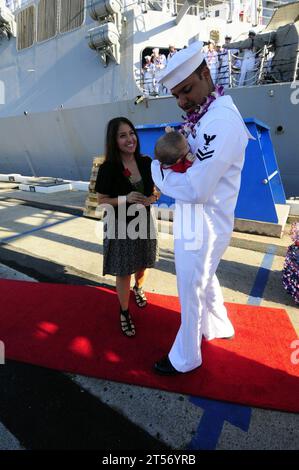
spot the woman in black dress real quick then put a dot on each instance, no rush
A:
(125, 186)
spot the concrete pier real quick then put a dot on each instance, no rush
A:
(45, 238)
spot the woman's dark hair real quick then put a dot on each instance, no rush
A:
(112, 150)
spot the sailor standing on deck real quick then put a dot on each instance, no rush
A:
(248, 63)
(159, 61)
(148, 72)
(211, 57)
(205, 196)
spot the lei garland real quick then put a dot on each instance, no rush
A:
(191, 119)
(187, 128)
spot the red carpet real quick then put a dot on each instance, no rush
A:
(76, 329)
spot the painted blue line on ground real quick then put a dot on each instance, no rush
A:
(36, 229)
(216, 412)
(261, 279)
(214, 416)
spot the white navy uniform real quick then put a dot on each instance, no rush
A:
(211, 188)
(248, 65)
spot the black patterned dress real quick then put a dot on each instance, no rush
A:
(130, 233)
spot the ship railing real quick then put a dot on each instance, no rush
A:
(202, 8)
(267, 68)
(283, 68)
(257, 76)
(251, 77)
(170, 6)
(296, 71)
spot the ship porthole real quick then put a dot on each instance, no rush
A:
(279, 130)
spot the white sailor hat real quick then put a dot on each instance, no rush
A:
(182, 64)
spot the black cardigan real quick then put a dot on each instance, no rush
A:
(112, 182)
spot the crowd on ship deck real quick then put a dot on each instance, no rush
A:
(228, 67)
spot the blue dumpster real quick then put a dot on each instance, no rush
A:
(261, 185)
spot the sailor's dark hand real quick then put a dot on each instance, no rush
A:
(152, 198)
(135, 198)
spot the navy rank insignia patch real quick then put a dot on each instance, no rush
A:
(205, 152)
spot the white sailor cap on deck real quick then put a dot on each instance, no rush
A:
(182, 64)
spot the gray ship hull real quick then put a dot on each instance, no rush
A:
(57, 96)
(63, 143)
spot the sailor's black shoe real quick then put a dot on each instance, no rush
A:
(164, 367)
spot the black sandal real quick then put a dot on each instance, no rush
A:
(140, 296)
(126, 324)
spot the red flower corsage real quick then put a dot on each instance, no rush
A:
(127, 173)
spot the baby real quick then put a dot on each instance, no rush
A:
(173, 152)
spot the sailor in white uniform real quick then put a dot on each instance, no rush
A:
(248, 63)
(205, 196)
(148, 72)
